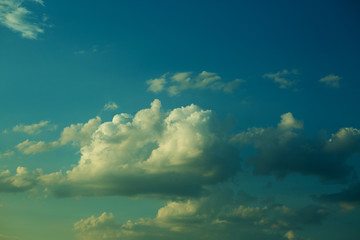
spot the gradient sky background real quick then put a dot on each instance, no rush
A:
(179, 119)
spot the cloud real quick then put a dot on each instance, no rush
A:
(93, 49)
(347, 198)
(176, 83)
(35, 128)
(32, 147)
(22, 181)
(331, 80)
(286, 149)
(6, 154)
(157, 84)
(285, 78)
(152, 153)
(77, 134)
(6, 237)
(219, 215)
(110, 106)
(16, 17)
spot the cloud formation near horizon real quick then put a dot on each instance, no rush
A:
(219, 215)
(178, 82)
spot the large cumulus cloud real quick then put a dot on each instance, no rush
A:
(176, 153)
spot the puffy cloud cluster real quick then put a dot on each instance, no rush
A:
(19, 19)
(34, 128)
(154, 153)
(285, 78)
(179, 82)
(286, 149)
(22, 181)
(217, 216)
(331, 80)
(110, 106)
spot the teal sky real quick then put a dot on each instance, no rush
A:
(179, 120)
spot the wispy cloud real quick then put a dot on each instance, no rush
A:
(93, 49)
(285, 78)
(19, 19)
(331, 80)
(6, 154)
(34, 128)
(77, 134)
(178, 82)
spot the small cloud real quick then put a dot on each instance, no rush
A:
(6, 154)
(19, 19)
(22, 181)
(110, 106)
(35, 128)
(176, 83)
(93, 49)
(157, 84)
(331, 80)
(290, 235)
(285, 78)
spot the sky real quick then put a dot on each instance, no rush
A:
(179, 120)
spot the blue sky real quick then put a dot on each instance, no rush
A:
(179, 119)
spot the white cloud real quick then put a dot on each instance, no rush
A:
(110, 106)
(285, 78)
(289, 122)
(78, 134)
(34, 128)
(32, 147)
(19, 19)
(331, 80)
(157, 84)
(22, 181)
(152, 153)
(178, 82)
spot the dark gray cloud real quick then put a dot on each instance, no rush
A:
(349, 196)
(286, 149)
